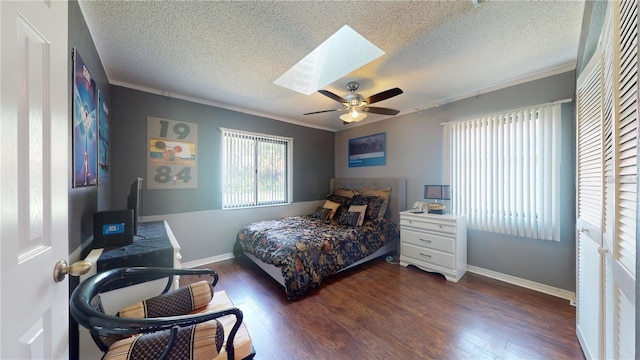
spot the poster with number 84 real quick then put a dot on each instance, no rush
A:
(172, 162)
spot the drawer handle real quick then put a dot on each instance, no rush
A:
(425, 240)
(427, 255)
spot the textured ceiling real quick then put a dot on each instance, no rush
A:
(228, 54)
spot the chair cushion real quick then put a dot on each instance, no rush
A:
(242, 341)
(194, 294)
(200, 341)
(176, 302)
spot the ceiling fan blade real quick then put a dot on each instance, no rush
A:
(332, 96)
(383, 95)
(322, 111)
(383, 111)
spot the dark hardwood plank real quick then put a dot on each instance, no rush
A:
(384, 311)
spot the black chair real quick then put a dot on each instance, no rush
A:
(190, 322)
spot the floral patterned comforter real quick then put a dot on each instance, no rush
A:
(309, 250)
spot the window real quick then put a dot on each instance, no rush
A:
(505, 172)
(256, 169)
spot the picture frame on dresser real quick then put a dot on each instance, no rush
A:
(434, 243)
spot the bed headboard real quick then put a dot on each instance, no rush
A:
(397, 199)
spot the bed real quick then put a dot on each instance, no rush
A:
(300, 252)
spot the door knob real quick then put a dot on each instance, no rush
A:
(76, 269)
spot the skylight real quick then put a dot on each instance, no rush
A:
(342, 53)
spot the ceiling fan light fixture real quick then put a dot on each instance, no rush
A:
(357, 106)
(353, 116)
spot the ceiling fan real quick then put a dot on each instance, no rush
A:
(357, 105)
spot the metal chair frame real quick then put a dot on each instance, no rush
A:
(101, 324)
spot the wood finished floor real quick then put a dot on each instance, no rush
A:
(384, 311)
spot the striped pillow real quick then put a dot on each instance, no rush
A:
(176, 302)
(200, 341)
(362, 209)
(328, 204)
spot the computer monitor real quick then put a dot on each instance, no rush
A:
(134, 202)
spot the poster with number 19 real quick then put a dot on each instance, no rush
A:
(172, 162)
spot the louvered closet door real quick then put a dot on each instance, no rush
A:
(621, 260)
(609, 185)
(589, 301)
(607, 189)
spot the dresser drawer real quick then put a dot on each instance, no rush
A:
(429, 240)
(428, 255)
(428, 225)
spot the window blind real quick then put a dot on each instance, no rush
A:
(504, 172)
(255, 169)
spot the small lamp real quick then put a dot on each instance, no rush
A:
(437, 192)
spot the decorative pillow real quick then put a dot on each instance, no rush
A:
(176, 302)
(321, 213)
(342, 200)
(369, 191)
(328, 204)
(382, 193)
(200, 341)
(374, 205)
(345, 192)
(360, 209)
(349, 218)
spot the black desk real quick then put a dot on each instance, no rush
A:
(159, 249)
(153, 250)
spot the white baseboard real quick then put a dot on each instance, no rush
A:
(550, 290)
(546, 289)
(206, 261)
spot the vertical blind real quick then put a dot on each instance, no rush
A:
(504, 172)
(255, 169)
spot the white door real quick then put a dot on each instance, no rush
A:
(34, 179)
(589, 261)
(607, 189)
(623, 181)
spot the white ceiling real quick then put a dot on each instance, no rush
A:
(228, 54)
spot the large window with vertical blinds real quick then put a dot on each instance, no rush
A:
(504, 171)
(256, 169)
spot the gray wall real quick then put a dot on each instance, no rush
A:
(83, 202)
(205, 232)
(313, 151)
(414, 151)
(313, 163)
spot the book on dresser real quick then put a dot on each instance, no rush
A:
(434, 243)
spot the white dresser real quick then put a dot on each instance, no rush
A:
(436, 243)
